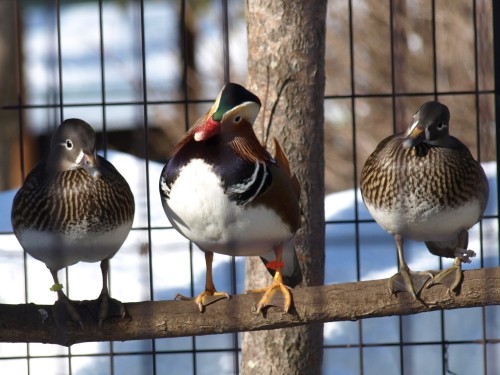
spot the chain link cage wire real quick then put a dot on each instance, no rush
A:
(141, 72)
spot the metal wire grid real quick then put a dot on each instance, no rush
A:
(191, 355)
(58, 106)
(400, 344)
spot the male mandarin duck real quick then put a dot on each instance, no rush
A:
(222, 190)
(426, 186)
(74, 207)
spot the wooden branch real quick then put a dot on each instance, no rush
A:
(146, 320)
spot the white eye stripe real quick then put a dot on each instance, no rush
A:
(67, 143)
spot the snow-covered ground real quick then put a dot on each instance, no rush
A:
(137, 275)
(168, 271)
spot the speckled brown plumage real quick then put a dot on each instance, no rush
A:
(73, 199)
(74, 207)
(395, 177)
(426, 186)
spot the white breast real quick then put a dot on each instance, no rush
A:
(198, 208)
(58, 251)
(426, 222)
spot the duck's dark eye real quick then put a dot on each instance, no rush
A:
(69, 144)
(237, 119)
(440, 126)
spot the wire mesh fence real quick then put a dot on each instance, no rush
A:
(141, 72)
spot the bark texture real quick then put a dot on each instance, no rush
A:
(313, 305)
(286, 50)
(13, 167)
(8, 75)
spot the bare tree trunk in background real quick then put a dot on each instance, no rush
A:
(400, 49)
(188, 36)
(8, 75)
(485, 104)
(286, 46)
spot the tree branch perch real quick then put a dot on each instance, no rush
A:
(146, 320)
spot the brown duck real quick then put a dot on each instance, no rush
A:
(74, 207)
(426, 186)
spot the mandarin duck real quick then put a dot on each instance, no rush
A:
(74, 207)
(426, 186)
(223, 191)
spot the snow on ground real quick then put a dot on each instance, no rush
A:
(168, 271)
(167, 267)
(131, 273)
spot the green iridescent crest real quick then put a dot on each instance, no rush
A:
(231, 96)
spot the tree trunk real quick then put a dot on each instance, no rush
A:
(11, 95)
(8, 75)
(286, 47)
(400, 54)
